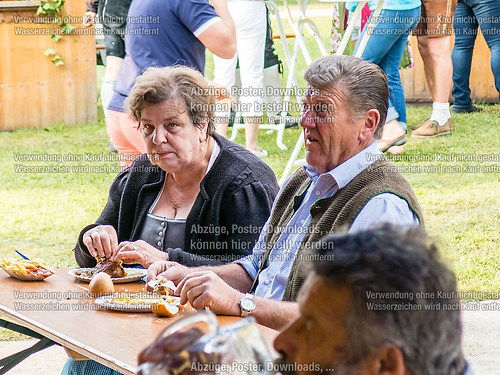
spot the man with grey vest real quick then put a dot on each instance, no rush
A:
(346, 185)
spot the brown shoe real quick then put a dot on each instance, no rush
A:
(431, 128)
(415, 127)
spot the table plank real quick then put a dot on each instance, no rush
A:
(64, 312)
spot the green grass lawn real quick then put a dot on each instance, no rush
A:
(43, 213)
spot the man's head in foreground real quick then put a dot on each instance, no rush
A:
(385, 305)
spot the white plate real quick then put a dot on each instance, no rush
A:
(133, 274)
(28, 277)
(144, 306)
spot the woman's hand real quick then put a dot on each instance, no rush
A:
(101, 241)
(139, 252)
(88, 18)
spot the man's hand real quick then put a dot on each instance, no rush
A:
(169, 270)
(205, 289)
(139, 252)
(101, 241)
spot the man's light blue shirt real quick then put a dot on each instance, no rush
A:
(386, 207)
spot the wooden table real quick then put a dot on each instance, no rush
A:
(64, 313)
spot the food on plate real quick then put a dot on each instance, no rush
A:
(170, 306)
(165, 309)
(113, 269)
(126, 301)
(135, 298)
(84, 272)
(166, 306)
(35, 269)
(162, 286)
(101, 283)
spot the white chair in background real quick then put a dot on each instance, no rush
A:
(293, 162)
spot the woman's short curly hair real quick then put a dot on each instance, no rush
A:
(157, 85)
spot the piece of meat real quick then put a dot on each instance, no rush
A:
(113, 269)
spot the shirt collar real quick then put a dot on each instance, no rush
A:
(345, 172)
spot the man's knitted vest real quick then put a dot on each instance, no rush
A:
(334, 214)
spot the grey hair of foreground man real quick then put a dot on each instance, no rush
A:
(359, 83)
(390, 266)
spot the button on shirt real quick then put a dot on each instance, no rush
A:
(385, 207)
(163, 233)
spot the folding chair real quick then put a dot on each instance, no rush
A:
(292, 161)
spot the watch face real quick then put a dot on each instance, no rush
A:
(247, 304)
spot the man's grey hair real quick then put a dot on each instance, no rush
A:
(403, 295)
(361, 84)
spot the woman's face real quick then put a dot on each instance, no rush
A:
(173, 142)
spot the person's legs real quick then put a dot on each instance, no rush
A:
(250, 20)
(125, 136)
(433, 42)
(113, 65)
(225, 76)
(466, 27)
(488, 13)
(273, 69)
(114, 40)
(394, 131)
(434, 46)
(222, 114)
(435, 52)
(274, 95)
(381, 38)
(225, 72)
(386, 46)
(396, 92)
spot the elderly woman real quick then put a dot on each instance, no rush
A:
(195, 197)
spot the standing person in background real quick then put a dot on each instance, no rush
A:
(273, 69)
(112, 14)
(385, 48)
(469, 16)
(250, 21)
(164, 33)
(273, 101)
(433, 34)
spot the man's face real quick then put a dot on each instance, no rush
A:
(316, 342)
(331, 135)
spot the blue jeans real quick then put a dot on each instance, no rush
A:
(385, 48)
(469, 15)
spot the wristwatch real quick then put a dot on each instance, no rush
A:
(247, 305)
